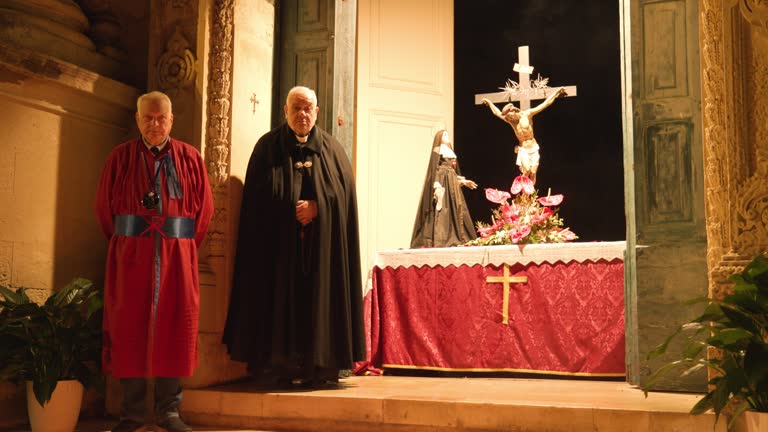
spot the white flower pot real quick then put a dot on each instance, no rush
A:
(751, 421)
(60, 414)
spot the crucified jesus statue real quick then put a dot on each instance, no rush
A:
(522, 123)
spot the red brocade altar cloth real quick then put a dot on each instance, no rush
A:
(435, 309)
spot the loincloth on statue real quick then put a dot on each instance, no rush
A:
(528, 157)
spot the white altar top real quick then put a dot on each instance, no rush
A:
(498, 255)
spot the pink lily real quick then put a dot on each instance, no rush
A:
(496, 196)
(567, 234)
(522, 183)
(487, 231)
(520, 233)
(509, 212)
(545, 213)
(551, 200)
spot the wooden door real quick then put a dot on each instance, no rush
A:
(666, 237)
(405, 95)
(317, 49)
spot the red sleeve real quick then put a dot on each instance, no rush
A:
(104, 192)
(205, 212)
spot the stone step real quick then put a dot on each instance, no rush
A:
(416, 404)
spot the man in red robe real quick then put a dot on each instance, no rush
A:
(154, 205)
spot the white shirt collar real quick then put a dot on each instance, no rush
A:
(159, 146)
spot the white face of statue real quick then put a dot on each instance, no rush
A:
(447, 139)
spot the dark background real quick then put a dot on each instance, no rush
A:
(571, 43)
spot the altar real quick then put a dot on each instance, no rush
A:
(543, 309)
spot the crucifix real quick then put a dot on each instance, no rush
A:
(505, 280)
(521, 119)
(254, 101)
(526, 93)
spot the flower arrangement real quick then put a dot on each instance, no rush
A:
(526, 219)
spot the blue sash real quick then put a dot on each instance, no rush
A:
(144, 226)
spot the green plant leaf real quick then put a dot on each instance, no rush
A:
(731, 339)
(694, 349)
(720, 396)
(733, 377)
(738, 325)
(693, 369)
(703, 405)
(11, 296)
(740, 317)
(60, 339)
(743, 406)
(713, 312)
(758, 267)
(756, 365)
(652, 380)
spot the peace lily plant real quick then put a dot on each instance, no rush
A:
(55, 341)
(737, 326)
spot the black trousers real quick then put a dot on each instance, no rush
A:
(167, 398)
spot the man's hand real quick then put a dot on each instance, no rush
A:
(306, 211)
(561, 92)
(486, 102)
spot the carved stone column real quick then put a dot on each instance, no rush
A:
(734, 51)
(214, 365)
(238, 111)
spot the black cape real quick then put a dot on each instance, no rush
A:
(452, 225)
(297, 297)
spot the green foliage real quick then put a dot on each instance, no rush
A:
(59, 340)
(738, 326)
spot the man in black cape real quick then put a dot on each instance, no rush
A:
(295, 314)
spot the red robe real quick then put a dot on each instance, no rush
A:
(138, 342)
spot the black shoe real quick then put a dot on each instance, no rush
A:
(127, 425)
(174, 424)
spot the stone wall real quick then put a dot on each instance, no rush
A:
(59, 123)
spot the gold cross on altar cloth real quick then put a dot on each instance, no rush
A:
(505, 279)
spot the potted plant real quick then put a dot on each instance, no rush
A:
(737, 326)
(54, 345)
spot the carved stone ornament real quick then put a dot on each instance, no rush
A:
(736, 191)
(714, 139)
(752, 210)
(756, 12)
(218, 146)
(176, 67)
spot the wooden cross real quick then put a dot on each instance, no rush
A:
(527, 94)
(505, 279)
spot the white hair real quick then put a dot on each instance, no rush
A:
(154, 96)
(306, 91)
